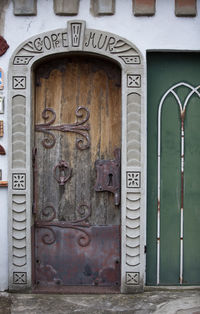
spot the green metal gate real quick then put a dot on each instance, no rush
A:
(173, 206)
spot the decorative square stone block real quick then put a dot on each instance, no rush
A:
(143, 7)
(19, 181)
(133, 179)
(66, 7)
(19, 82)
(133, 80)
(185, 8)
(19, 278)
(103, 7)
(27, 7)
(132, 278)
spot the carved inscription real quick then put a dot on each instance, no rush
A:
(41, 44)
(101, 41)
(113, 45)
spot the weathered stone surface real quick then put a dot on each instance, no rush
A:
(185, 8)
(143, 7)
(66, 7)
(158, 302)
(3, 6)
(103, 7)
(25, 7)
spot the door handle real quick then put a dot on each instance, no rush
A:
(108, 175)
(61, 175)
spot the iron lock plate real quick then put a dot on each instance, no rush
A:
(108, 175)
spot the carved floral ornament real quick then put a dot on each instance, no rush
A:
(74, 38)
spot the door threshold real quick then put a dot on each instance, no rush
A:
(77, 290)
(160, 288)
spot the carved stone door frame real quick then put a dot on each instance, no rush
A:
(76, 38)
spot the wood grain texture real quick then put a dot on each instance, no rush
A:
(63, 85)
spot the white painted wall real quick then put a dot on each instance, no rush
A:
(163, 31)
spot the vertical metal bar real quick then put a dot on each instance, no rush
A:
(182, 196)
(158, 198)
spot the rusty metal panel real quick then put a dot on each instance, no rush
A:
(68, 255)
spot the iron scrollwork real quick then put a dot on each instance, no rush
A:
(79, 224)
(49, 236)
(84, 212)
(48, 213)
(78, 127)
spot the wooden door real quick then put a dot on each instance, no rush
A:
(77, 215)
(173, 233)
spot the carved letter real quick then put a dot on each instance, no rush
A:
(100, 47)
(110, 44)
(92, 35)
(55, 40)
(64, 39)
(47, 43)
(38, 44)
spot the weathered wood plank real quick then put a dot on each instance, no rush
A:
(63, 85)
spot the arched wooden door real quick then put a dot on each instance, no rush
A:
(76, 162)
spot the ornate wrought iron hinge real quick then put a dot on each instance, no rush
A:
(78, 127)
(108, 175)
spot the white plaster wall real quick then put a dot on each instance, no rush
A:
(3, 241)
(163, 31)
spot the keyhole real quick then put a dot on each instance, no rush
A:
(110, 179)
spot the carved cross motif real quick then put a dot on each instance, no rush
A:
(19, 82)
(133, 80)
(132, 278)
(19, 278)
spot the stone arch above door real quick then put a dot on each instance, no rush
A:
(75, 38)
